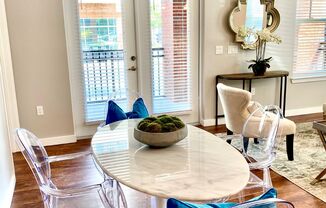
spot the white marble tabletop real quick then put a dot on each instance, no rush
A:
(201, 167)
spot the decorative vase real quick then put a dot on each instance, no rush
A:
(160, 140)
(259, 69)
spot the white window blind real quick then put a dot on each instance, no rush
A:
(101, 40)
(310, 53)
(171, 64)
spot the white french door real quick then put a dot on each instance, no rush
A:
(167, 45)
(108, 50)
(118, 47)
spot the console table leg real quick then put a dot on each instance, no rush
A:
(281, 92)
(284, 100)
(216, 103)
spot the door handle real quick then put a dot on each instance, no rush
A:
(133, 68)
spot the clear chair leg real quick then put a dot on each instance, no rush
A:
(122, 196)
(267, 179)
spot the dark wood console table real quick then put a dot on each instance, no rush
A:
(249, 77)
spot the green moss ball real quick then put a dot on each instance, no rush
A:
(166, 119)
(162, 116)
(178, 124)
(154, 128)
(169, 127)
(150, 119)
(176, 118)
(160, 124)
(143, 125)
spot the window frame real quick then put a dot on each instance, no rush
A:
(311, 75)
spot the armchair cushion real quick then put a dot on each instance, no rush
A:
(115, 113)
(174, 203)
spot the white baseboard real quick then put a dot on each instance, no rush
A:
(291, 112)
(58, 140)
(6, 202)
(304, 111)
(55, 141)
(211, 122)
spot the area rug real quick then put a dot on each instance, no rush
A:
(309, 160)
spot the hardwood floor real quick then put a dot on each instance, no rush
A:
(82, 172)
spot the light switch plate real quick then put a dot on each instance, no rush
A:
(39, 110)
(233, 49)
(219, 50)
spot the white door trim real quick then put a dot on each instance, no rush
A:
(7, 80)
(70, 10)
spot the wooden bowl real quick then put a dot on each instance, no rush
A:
(160, 139)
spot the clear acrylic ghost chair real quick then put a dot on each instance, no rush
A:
(259, 151)
(264, 124)
(266, 203)
(106, 194)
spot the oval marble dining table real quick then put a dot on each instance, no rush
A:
(201, 167)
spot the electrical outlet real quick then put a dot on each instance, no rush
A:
(253, 91)
(39, 110)
(219, 50)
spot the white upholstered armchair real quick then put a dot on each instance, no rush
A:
(237, 106)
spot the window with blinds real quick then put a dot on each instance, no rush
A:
(310, 53)
(101, 41)
(171, 68)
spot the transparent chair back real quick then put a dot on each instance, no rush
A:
(105, 194)
(37, 159)
(259, 137)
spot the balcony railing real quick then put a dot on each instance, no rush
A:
(104, 74)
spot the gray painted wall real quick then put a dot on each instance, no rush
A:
(37, 37)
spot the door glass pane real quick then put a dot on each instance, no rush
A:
(103, 56)
(171, 69)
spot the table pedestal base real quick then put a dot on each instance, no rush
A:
(157, 202)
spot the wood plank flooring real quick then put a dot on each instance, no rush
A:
(82, 172)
